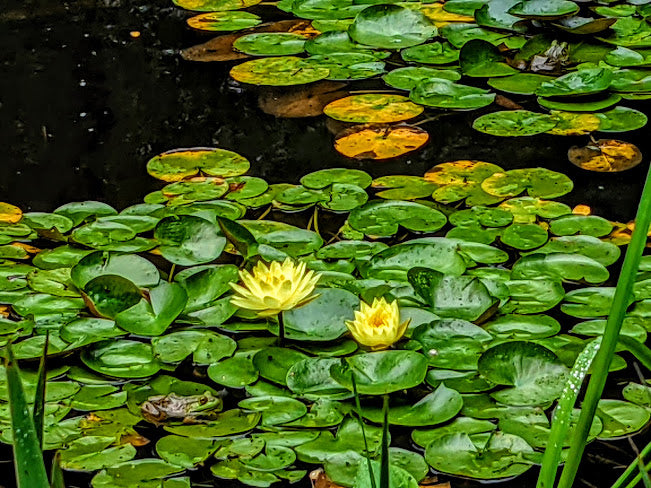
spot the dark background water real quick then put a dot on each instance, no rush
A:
(84, 105)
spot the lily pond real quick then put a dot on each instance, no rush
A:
(299, 242)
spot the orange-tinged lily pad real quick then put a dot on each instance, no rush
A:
(9, 214)
(380, 141)
(374, 108)
(606, 156)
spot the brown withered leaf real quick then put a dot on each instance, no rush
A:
(505, 102)
(134, 439)
(319, 479)
(300, 101)
(217, 49)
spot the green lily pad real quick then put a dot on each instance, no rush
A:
(79, 212)
(523, 327)
(431, 53)
(189, 240)
(460, 425)
(637, 394)
(225, 21)
(129, 266)
(442, 93)
(92, 453)
(226, 423)
(534, 372)
(407, 78)
(621, 119)
(391, 27)
(452, 343)
(538, 182)
(526, 210)
(121, 358)
(435, 408)
(111, 294)
(544, 9)
(377, 373)
(98, 397)
(338, 41)
(458, 34)
(284, 237)
(382, 218)
(462, 297)
(206, 347)
(481, 59)
(580, 106)
(565, 267)
(482, 455)
(514, 123)
(591, 225)
(322, 319)
(270, 44)
(273, 363)
(621, 418)
(582, 82)
(312, 376)
(235, 372)
(214, 5)
(275, 409)
(495, 14)
(533, 296)
(323, 178)
(348, 66)
(184, 451)
(152, 316)
(520, 83)
(587, 303)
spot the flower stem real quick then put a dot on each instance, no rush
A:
(171, 275)
(384, 457)
(281, 330)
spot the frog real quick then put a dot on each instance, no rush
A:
(553, 59)
(190, 409)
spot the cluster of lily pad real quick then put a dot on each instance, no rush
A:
(502, 292)
(578, 60)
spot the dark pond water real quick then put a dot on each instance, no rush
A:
(83, 105)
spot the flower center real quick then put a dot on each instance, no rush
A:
(377, 319)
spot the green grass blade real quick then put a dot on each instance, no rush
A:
(630, 471)
(39, 397)
(360, 418)
(56, 474)
(611, 335)
(28, 457)
(562, 416)
(637, 349)
(384, 459)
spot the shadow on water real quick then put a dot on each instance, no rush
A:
(84, 104)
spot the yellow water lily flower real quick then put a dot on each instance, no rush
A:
(270, 290)
(378, 325)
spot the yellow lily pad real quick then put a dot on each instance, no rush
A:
(180, 164)
(281, 71)
(379, 141)
(375, 108)
(10, 214)
(605, 155)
